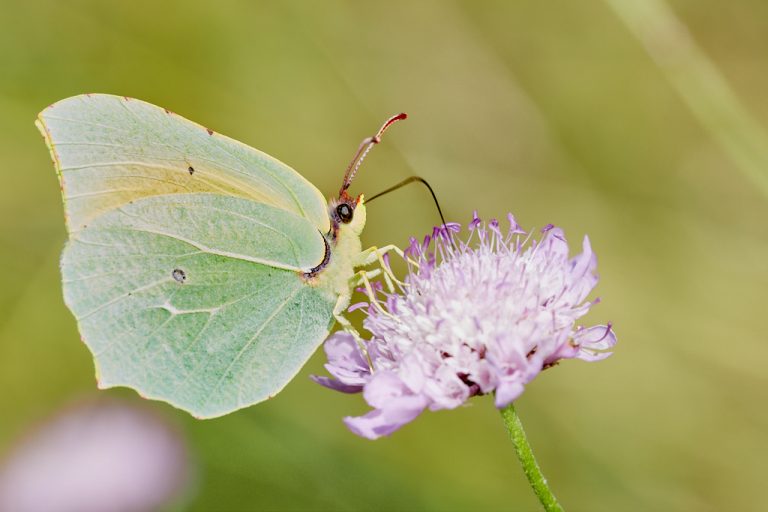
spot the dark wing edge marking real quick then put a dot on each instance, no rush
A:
(326, 259)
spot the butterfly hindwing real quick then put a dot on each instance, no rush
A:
(197, 299)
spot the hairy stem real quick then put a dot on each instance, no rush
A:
(530, 466)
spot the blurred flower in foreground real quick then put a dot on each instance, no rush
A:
(98, 457)
(473, 317)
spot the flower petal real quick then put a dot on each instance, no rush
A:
(336, 385)
(382, 422)
(507, 391)
(394, 403)
(594, 342)
(445, 389)
(383, 389)
(346, 362)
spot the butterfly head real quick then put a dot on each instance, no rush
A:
(347, 214)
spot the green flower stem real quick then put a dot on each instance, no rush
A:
(530, 467)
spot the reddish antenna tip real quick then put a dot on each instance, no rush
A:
(365, 146)
(391, 120)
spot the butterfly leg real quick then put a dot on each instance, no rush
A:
(373, 254)
(357, 279)
(364, 279)
(346, 325)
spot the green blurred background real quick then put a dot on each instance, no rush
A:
(554, 110)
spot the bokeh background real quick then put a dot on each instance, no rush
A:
(639, 123)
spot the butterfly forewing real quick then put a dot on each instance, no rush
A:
(110, 150)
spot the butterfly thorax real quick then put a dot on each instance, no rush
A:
(345, 246)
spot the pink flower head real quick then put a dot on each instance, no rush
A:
(98, 456)
(474, 317)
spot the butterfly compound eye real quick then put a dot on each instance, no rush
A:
(344, 212)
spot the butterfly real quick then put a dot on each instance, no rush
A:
(202, 272)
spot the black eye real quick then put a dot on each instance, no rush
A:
(344, 212)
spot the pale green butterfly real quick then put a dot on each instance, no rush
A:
(201, 271)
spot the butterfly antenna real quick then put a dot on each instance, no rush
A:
(406, 182)
(363, 150)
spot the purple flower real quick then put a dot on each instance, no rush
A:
(98, 456)
(473, 317)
